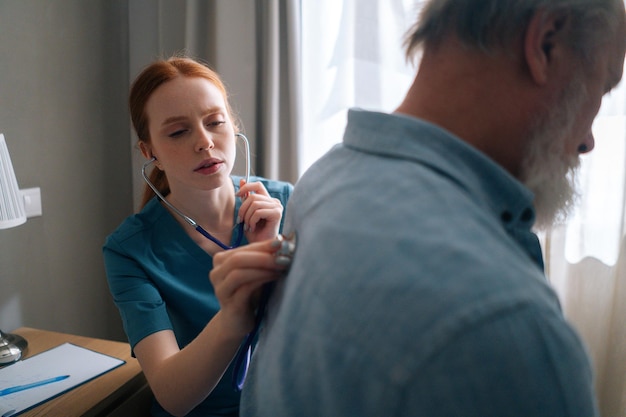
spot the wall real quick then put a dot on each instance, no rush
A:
(63, 84)
(65, 67)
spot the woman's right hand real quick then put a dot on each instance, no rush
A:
(238, 275)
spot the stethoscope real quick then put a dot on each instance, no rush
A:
(286, 249)
(188, 219)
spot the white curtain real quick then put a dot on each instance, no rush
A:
(352, 56)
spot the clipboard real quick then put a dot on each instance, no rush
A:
(81, 364)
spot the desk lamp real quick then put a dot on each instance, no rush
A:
(12, 213)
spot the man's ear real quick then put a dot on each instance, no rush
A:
(544, 40)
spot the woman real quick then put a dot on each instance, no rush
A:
(183, 330)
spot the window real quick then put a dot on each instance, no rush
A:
(352, 56)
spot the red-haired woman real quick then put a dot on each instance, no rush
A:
(183, 330)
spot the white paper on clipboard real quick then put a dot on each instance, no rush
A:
(79, 363)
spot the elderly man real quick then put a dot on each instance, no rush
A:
(417, 286)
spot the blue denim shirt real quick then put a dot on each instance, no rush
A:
(417, 289)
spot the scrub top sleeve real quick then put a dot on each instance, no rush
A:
(141, 307)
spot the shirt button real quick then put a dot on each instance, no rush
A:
(527, 215)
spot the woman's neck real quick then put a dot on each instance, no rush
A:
(211, 209)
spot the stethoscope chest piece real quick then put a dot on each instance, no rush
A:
(287, 249)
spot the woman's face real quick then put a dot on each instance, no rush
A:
(192, 134)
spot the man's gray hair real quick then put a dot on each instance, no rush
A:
(496, 24)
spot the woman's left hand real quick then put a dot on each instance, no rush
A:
(260, 213)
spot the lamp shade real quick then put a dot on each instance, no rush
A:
(12, 212)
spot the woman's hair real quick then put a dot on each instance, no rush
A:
(151, 78)
(493, 24)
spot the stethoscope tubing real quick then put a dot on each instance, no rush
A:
(242, 359)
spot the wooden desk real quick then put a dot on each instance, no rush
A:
(120, 392)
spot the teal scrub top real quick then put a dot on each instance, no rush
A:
(159, 279)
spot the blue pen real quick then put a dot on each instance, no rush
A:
(19, 388)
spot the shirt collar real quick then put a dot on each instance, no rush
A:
(414, 139)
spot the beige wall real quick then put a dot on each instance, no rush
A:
(62, 95)
(64, 76)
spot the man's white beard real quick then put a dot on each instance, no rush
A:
(547, 171)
